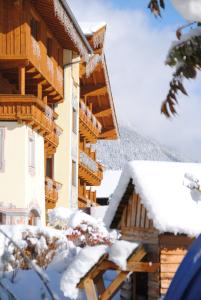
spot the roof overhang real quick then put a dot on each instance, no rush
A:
(60, 19)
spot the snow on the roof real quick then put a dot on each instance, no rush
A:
(90, 28)
(79, 267)
(189, 9)
(171, 205)
(120, 252)
(108, 184)
(87, 258)
(69, 265)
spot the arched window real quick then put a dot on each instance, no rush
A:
(33, 217)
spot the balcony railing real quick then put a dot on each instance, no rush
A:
(90, 127)
(51, 192)
(87, 197)
(90, 170)
(47, 65)
(34, 113)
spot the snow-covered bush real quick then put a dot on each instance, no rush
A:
(37, 244)
(81, 228)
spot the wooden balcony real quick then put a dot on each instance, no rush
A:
(33, 112)
(51, 192)
(86, 197)
(19, 48)
(90, 171)
(90, 127)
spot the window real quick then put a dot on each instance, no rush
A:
(74, 172)
(74, 120)
(49, 47)
(31, 154)
(50, 167)
(2, 138)
(35, 29)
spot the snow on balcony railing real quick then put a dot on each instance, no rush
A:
(50, 66)
(70, 30)
(48, 112)
(90, 115)
(59, 76)
(36, 48)
(88, 162)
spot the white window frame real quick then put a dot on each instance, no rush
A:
(31, 154)
(2, 149)
(74, 120)
(74, 173)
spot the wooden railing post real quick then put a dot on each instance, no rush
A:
(21, 72)
(40, 91)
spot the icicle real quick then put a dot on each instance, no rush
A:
(98, 39)
(92, 63)
(70, 30)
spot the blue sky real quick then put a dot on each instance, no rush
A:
(136, 47)
(169, 16)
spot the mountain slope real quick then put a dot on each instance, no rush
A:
(133, 146)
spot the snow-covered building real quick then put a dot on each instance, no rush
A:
(158, 204)
(97, 118)
(33, 36)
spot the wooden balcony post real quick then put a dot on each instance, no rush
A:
(40, 91)
(21, 72)
(45, 99)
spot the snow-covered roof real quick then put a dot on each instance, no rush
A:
(108, 184)
(171, 205)
(90, 28)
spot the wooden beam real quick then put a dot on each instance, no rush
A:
(108, 134)
(39, 91)
(104, 113)
(114, 286)
(143, 267)
(86, 90)
(90, 289)
(100, 284)
(13, 64)
(21, 72)
(97, 92)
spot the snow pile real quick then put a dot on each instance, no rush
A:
(170, 204)
(120, 251)
(59, 217)
(81, 228)
(189, 9)
(91, 27)
(84, 261)
(63, 264)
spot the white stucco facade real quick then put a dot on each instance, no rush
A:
(22, 189)
(67, 151)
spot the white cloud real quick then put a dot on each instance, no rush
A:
(135, 52)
